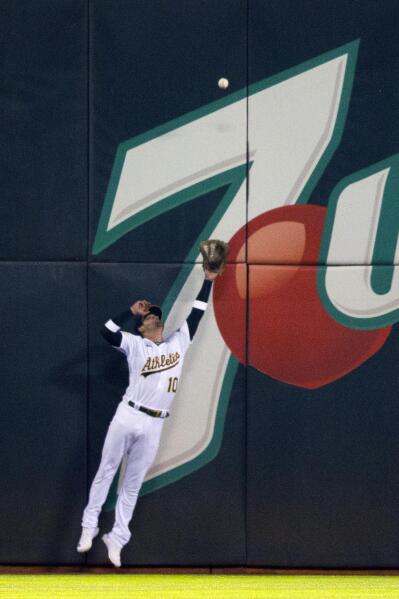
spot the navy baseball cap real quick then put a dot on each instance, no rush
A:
(155, 310)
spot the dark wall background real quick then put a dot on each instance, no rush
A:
(301, 479)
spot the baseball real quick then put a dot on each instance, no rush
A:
(223, 83)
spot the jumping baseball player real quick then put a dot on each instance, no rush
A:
(155, 366)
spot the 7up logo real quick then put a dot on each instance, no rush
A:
(268, 145)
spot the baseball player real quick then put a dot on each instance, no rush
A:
(155, 366)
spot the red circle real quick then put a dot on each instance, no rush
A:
(291, 336)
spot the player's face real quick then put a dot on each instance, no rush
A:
(150, 323)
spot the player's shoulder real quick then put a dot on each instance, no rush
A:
(184, 330)
(132, 339)
(172, 337)
(178, 335)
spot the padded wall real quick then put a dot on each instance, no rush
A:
(119, 153)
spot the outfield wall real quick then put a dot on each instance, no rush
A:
(119, 153)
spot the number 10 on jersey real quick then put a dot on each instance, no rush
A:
(172, 386)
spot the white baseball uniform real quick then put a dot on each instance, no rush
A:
(154, 372)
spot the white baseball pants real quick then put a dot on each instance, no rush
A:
(137, 435)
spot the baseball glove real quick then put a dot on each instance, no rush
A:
(214, 253)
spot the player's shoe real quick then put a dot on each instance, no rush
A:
(86, 539)
(114, 551)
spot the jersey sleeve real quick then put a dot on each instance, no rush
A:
(129, 344)
(184, 337)
(120, 340)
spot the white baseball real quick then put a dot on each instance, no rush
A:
(223, 83)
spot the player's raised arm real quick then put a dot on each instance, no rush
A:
(111, 331)
(200, 303)
(214, 253)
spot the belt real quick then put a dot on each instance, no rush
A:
(153, 413)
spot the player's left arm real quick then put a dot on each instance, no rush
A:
(111, 331)
(200, 304)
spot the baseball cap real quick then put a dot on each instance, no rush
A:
(155, 310)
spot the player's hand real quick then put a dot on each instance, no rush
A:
(210, 276)
(140, 307)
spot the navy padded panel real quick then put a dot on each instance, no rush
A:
(43, 130)
(152, 62)
(323, 478)
(42, 412)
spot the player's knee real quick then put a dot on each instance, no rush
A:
(108, 470)
(130, 495)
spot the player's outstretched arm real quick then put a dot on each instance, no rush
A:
(111, 331)
(200, 303)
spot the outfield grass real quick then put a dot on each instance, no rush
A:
(126, 586)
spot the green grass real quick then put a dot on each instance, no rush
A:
(127, 586)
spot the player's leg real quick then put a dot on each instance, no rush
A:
(113, 450)
(140, 458)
